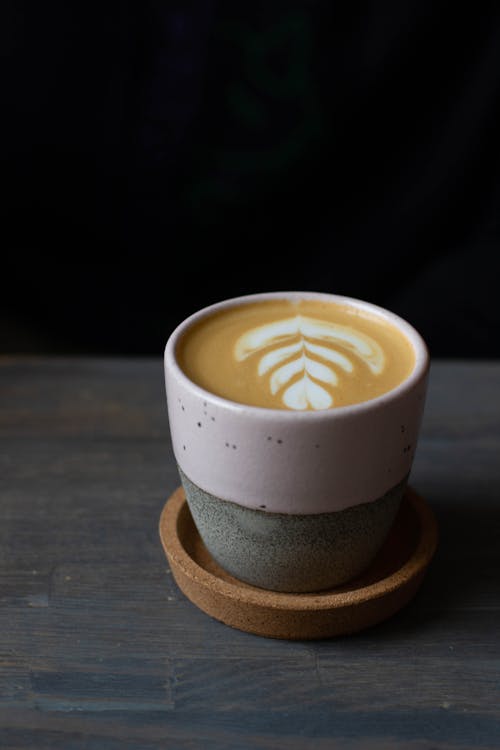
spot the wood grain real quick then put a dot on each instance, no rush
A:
(99, 649)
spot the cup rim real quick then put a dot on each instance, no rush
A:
(419, 372)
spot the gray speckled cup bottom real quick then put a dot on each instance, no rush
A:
(293, 553)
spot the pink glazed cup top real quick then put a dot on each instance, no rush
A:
(295, 462)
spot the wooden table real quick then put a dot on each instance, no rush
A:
(100, 650)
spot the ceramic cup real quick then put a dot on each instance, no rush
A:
(294, 501)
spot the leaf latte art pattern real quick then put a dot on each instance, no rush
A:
(301, 361)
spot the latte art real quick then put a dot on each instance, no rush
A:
(304, 372)
(295, 353)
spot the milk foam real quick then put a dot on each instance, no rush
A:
(290, 369)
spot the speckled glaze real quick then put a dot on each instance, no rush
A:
(292, 553)
(290, 461)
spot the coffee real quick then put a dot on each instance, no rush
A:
(295, 353)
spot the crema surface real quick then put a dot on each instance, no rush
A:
(303, 354)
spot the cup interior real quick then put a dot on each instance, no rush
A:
(420, 350)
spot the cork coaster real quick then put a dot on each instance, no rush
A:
(390, 582)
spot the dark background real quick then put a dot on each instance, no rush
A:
(157, 157)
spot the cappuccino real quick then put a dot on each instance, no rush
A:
(295, 353)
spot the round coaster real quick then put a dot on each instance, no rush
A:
(390, 582)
